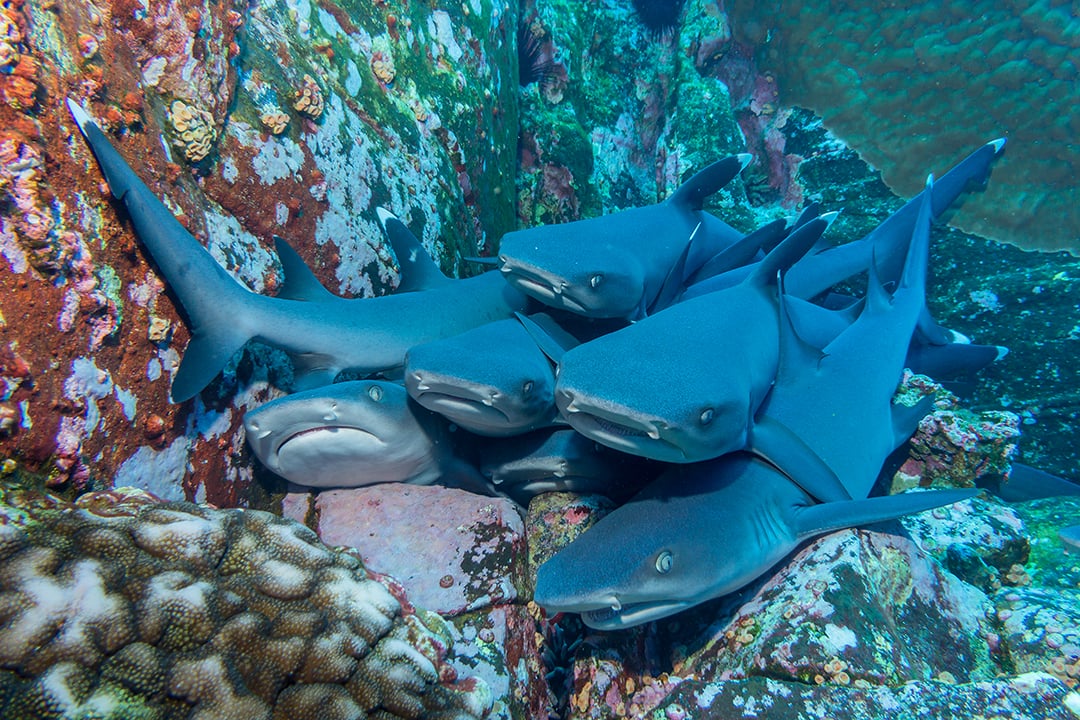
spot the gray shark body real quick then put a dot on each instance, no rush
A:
(356, 433)
(493, 380)
(887, 243)
(627, 264)
(561, 460)
(835, 400)
(699, 532)
(323, 334)
(682, 385)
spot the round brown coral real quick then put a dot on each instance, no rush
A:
(175, 610)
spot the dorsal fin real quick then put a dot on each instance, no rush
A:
(418, 270)
(796, 353)
(790, 250)
(299, 283)
(742, 252)
(552, 340)
(918, 257)
(692, 193)
(811, 211)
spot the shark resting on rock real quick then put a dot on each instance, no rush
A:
(323, 334)
(365, 432)
(700, 403)
(696, 533)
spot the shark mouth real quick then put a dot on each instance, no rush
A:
(617, 618)
(549, 290)
(644, 437)
(457, 406)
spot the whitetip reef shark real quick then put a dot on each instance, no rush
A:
(494, 380)
(836, 401)
(682, 385)
(356, 433)
(696, 533)
(627, 264)
(323, 334)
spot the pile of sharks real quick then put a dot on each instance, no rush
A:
(709, 380)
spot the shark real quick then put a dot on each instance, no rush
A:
(493, 380)
(322, 333)
(886, 243)
(836, 400)
(699, 532)
(356, 433)
(683, 385)
(627, 264)
(559, 459)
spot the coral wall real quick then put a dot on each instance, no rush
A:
(249, 119)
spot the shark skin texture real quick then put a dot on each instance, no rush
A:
(696, 533)
(356, 433)
(628, 264)
(325, 335)
(837, 399)
(628, 390)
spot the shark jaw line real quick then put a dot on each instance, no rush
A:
(460, 404)
(547, 288)
(616, 617)
(614, 430)
(358, 438)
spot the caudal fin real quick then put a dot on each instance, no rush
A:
(211, 300)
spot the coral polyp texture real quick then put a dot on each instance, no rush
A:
(121, 606)
(907, 83)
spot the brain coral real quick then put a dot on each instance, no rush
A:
(127, 608)
(912, 85)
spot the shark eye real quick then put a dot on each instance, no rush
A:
(596, 279)
(707, 416)
(375, 393)
(664, 561)
(527, 387)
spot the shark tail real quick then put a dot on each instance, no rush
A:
(825, 517)
(209, 297)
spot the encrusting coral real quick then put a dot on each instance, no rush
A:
(908, 85)
(196, 130)
(121, 606)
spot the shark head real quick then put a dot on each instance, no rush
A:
(628, 391)
(344, 435)
(492, 381)
(595, 279)
(658, 554)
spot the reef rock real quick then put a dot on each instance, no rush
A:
(178, 610)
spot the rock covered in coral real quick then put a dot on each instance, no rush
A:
(1034, 695)
(883, 77)
(178, 610)
(249, 120)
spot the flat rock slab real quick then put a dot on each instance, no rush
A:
(453, 551)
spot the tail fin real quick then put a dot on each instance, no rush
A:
(208, 295)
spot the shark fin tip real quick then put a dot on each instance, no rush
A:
(78, 112)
